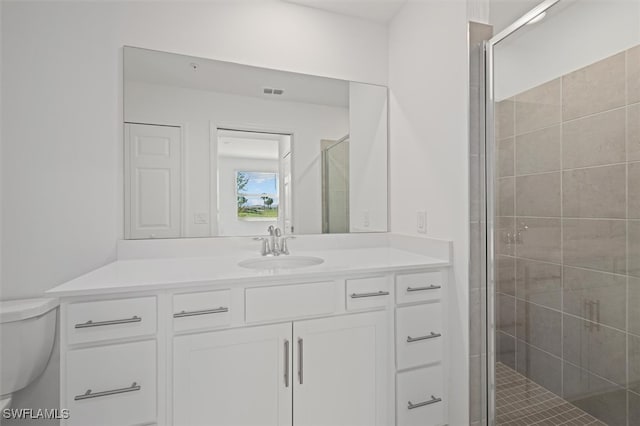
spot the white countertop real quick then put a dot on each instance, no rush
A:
(124, 276)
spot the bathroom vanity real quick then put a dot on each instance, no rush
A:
(359, 339)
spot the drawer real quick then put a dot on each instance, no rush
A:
(289, 301)
(420, 287)
(367, 293)
(418, 335)
(110, 319)
(112, 385)
(420, 395)
(201, 310)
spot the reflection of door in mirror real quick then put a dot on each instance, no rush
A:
(153, 181)
(335, 186)
(252, 178)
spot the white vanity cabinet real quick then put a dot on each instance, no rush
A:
(420, 360)
(109, 362)
(341, 366)
(233, 377)
(262, 375)
(317, 352)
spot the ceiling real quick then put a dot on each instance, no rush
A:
(162, 68)
(380, 11)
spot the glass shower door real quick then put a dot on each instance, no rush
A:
(564, 215)
(335, 187)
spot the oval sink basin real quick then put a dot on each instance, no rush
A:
(281, 262)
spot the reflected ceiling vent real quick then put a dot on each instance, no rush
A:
(272, 91)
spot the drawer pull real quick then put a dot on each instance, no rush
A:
(300, 365)
(377, 293)
(110, 322)
(432, 335)
(429, 287)
(88, 395)
(219, 310)
(433, 400)
(286, 363)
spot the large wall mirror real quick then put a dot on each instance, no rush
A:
(215, 148)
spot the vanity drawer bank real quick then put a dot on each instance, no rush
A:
(356, 340)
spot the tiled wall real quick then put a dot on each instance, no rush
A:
(568, 236)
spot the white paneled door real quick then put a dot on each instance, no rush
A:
(153, 181)
(340, 366)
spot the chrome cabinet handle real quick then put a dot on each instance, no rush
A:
(90, 323)
(300, 356)
(88, 394)
(377, 293)
(433, 400)
(429, 287)
(286, 363)
(432, 335)
(183, 314)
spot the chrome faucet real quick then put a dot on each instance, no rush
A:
(275, 244)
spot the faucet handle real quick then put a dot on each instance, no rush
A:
(271, 230)
(266, 249)
(284, 249)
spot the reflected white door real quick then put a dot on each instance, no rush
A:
(152, 181)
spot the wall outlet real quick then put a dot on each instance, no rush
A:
(366, 219)
(201, 218)
(421, 222)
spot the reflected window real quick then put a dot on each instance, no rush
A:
(257, 195)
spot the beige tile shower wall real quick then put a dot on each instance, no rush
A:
(568, 236)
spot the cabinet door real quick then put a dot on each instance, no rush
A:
(233, 377)
(341, 371)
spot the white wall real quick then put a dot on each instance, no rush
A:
(503, 13)
(229, 223)
(62, 76)
(200, 109)
(573, 34)
(428, 80)
(367, 158)
(62, 116)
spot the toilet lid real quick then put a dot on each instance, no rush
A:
(16, 310)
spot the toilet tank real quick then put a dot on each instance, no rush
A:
(27, 332)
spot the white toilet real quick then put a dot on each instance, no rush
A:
(27, 331)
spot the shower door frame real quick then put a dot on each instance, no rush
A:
(490, 164)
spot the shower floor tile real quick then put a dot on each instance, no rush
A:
(522, 402)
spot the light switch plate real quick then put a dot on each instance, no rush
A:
(421, 222)
(200, 218)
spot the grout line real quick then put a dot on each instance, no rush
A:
(619, 219)
(626, 183)
(562, 243)
(569, 314)
(569, 169)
